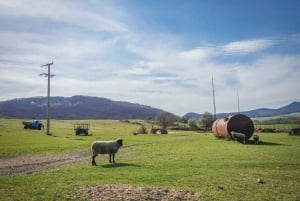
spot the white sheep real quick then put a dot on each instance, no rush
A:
(106, 147)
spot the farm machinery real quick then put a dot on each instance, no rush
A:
(36, 124)
(81, 128)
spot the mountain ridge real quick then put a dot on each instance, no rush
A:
(261, 112)
(76, 107)
(91, 107)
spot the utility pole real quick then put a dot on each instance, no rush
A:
(48, 75)
(214, 102)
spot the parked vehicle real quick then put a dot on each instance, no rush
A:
(36, 124)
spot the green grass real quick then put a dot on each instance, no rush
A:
(284, 127)
(296, 114)
(181, 160)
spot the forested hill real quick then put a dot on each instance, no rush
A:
(75, 107)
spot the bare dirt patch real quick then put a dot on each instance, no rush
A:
(36, 163)
(111, 192)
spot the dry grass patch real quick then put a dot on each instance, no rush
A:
(111, 192)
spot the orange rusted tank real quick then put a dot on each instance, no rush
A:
(240, 123)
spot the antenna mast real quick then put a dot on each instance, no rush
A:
(238, 99)
(214, 102)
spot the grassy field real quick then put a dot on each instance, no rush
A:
(278, 122)
(296, 114)
(197, 162)
(282, 127)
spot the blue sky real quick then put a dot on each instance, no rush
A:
(158, 53)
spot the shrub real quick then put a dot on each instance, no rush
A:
(141, 130)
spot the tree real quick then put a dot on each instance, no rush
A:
(207, 120)
(193, 124)
(165, 119)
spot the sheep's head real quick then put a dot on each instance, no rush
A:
(120, 142)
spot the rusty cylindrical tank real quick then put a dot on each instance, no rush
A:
(240, 123)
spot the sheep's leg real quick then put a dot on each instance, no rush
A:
(109, 157)
(113, 158)
(93, 159)
(112, 155)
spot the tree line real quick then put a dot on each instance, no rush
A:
(165, 119)
(280, 120)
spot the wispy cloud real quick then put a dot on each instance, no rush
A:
(68, 12)
(247, 46)
(199, 53)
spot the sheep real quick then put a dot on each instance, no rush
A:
(240, 137)
(106, 147)
(256, 139)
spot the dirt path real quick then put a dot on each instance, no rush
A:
(36, 163)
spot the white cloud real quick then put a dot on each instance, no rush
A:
(247, 46)
(200, 53)
(263, 83)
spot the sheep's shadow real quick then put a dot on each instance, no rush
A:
(116, 165)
